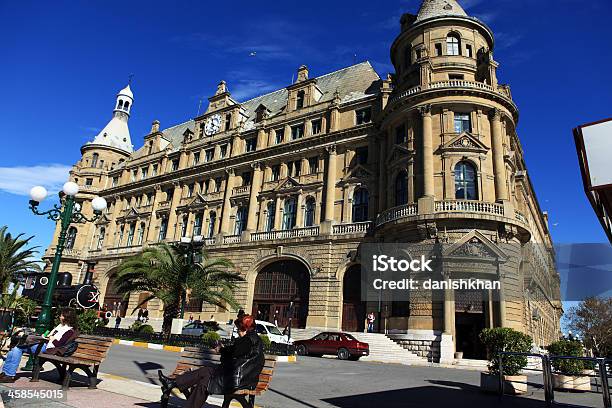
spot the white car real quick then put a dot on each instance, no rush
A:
(270, 330)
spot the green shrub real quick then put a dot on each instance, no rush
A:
(87, 321)
(504, 339)
(568, 348)
(136, 325)
(146, 328)
(211, 337)
(265, 340)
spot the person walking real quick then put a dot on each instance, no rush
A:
(117, 321)
(371, 319)
(60, 336)
(145, 315)
(241, 364)
(139, 318)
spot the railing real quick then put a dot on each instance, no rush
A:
(145, 208)
(284, 234)
(123, 250)
(231, 239)
(163, 204)
(395, 213)
(469, 207)
(520, 217)
(242, 189)
(215, 195)
(461, 83)
(88, 188)
(353, 228)
(409, 92)
(210, 241)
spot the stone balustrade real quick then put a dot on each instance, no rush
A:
(352, 228)
(284, 234)
(232, 239)
(520, 217)
(396, 213)
(164, 204)
(242, 190)
(454, 83)
(469, 206)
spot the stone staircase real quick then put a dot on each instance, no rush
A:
(382, 348)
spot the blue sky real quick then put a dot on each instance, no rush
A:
(63, 62)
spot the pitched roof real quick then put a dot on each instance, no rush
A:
(439, 8)
(352, 83)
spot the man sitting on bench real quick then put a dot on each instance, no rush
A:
(240, 366)
(59, 337)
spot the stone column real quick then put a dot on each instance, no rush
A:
(262, 138)
(330, 184)
(427, 152)
(153, 219)
(299, 218)
(227, 205)
(255, 188)
(178, 193)
(447, 346)
(499, 168)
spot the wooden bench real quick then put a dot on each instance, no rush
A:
(90, 353)
(195, 357)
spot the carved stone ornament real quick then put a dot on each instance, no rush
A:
(424, 110)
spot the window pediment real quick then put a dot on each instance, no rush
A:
(465, 142)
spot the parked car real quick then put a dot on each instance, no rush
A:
(197, 328)
(343, 345)
(270, 330)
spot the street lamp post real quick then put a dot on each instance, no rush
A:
(193, 245)
(67, 212)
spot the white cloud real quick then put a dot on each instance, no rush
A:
(20, 179)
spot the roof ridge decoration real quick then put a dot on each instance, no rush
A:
(440, 8)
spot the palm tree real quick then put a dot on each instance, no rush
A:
(167, 273)
(15, 257)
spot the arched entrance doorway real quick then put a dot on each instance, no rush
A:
(276, 286)
(353, 309)
(113, 300)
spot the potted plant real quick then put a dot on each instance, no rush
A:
(569, 374)
(505, 339)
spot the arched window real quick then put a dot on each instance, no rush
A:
(241, 218)
(197, 224)
(126, 106)
(71, 237)
(289, 213)
(101, 238)
(401, 188)
(299, 102)
(212, 218)
(94, 160)
(466, 187)
(360, 205)
(453, 44)
(270, 216)
(120, 104)
(309, 213)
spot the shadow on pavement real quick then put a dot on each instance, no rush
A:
(149, 370)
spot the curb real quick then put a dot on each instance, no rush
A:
(177, 349)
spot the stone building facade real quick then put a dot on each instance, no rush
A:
(290, 184)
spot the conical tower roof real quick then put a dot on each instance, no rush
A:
(440, 8)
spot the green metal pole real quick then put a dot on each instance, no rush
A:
(183, 279)
(44, 321)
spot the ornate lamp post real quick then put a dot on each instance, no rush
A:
(193, 245)
(67, 212)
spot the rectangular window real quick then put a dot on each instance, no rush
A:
(419, 54)
(400, 135)
(297, 132)
(313, 164)
(175, 164)
(134, 173)
(280, 135)
(316, 127)
(250, 144)
(468, 49)
(438, 49)
(163, 228)
(115, 181)
(154, 171)
(222, 151)
(196, 158)
(144, 172)
(218, 182)
(363, 116)
(209, 154)
(149, 198)
(362, 155)
(89, 182)
(456, 77)
(462, 122)
(190, 189)
(274, 176)
(169, 194)
(246, 178)
(296, 168)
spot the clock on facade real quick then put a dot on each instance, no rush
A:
(212, 125)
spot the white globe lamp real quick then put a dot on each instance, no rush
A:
(98, 204)
(38, 193)
(70, 188)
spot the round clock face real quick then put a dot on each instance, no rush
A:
(212, 125)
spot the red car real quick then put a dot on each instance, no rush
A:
(343, 345)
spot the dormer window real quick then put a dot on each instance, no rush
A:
(453, 44)
(299, 102)
(363, 116)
